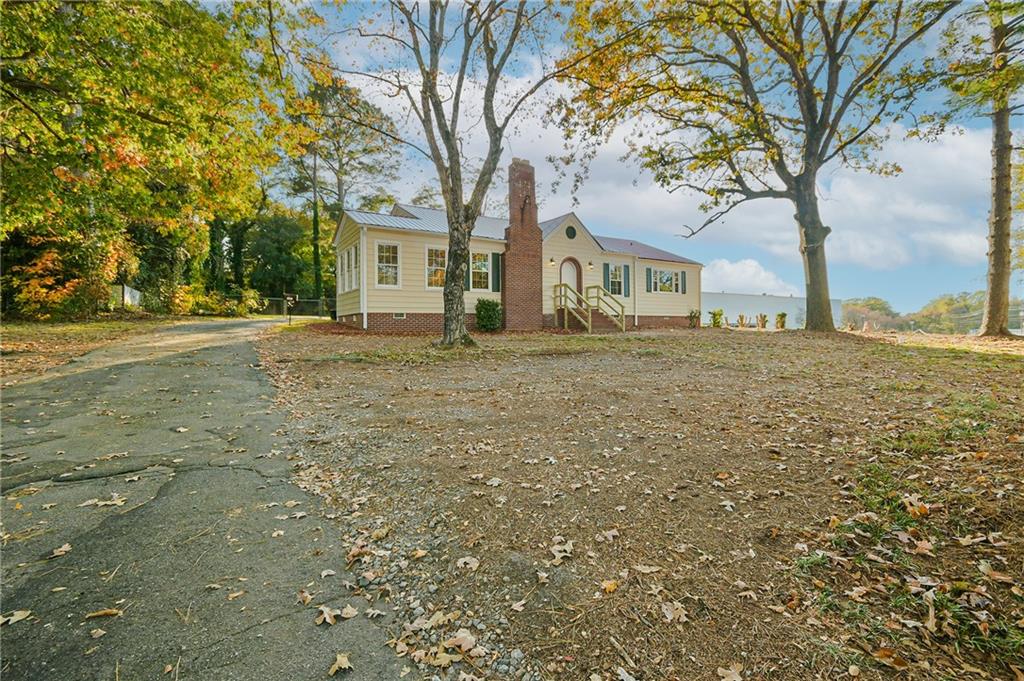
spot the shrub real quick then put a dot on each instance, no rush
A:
(716, 318)
(488, 315)
(216, 303)
(780, 320)
(694, 317)
(762, 321)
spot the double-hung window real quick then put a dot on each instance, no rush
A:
(666, 281)
(388, 265)
(480, 271)
(615, 278)
(437, 261)
(348, 276)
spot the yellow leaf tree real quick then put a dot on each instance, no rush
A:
(747, 100)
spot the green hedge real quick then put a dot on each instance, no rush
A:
(488, 315)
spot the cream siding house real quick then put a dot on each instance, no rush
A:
(391, 267)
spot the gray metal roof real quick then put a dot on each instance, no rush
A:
(422, 219)
(640, 250)
(548, 226)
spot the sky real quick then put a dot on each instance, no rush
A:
(907, 239)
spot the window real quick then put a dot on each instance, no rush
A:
(348, 276)
(480, 272)
(437, 261)
(665, 281)
(570, 232)
(615, 280)
(387, 265)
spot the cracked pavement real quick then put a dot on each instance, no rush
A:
(160, 461)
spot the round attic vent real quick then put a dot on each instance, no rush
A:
(570, 232)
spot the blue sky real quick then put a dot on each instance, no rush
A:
(907, 239)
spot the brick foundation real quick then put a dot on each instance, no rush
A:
(602, 324)
(414, 323)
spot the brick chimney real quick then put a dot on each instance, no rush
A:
(522, 277)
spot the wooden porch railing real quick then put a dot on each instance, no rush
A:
(571, 301)
(600, 299)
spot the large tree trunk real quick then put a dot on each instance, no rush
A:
(995, 321)
(455, 332)
(812, 248)
(237, 236)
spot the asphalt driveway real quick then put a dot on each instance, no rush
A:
(150, 527)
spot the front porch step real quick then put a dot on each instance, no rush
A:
(600, 323)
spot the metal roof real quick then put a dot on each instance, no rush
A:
(640, 250)
(421, 219)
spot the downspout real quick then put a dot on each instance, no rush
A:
(362, 275)
(636, 293)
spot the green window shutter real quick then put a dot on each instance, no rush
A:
(469, 266)
(625, 281)
(496, 272)
(607, 277)
(649, 276)
(682, 282)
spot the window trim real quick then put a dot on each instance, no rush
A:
(655, 288)
(490, 273)
(622, 278)
(427, 248)
(376, 264)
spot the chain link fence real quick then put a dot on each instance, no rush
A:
(300, 307)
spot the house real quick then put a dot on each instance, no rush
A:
(390, 271)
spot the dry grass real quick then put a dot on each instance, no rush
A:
(30, 348)
(739, 465)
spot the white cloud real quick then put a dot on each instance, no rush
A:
(744, 276)
(933, 212)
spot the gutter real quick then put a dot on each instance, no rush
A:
(362, 275)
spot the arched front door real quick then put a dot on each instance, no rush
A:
(570, 273)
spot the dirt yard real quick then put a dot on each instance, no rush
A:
(703, 504)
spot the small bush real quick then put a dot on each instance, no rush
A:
(716, 317)
(488, 315)
(762, 321)
(216, 303)
(694, 317)
(780, 320)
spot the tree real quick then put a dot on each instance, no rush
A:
(275, 254)
(986, 75)
(484, 44)
(341, 157)
(120, 118)
(428, 197)
(874, 311)
(747, 100)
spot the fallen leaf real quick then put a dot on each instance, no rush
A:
(60, 551)
(327, 573)
(348, 612)
(327, 614)
(674, 612)
(15, 616)
(463, 639)
(97, 632)
(277, 533)
(341, 663)
(233, 596)
(646, 569)
(732, 673)
(105, 612)
(181, 429)
(609, 585)
(468, 562)
(519, 606)
(305, 597)
(889, 657)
